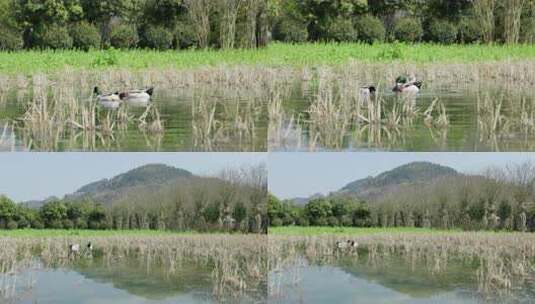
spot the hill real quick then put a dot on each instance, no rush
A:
(150, 177)
(408, 174)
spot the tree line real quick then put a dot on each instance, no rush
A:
(180, 24)
(499, 199)
(234, 201)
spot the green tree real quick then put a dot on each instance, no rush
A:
(318, 211)
(53, 213)
(7, 210)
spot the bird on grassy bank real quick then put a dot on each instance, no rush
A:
(347, 244)
(137, 96)
(110, 100)
(367, 93)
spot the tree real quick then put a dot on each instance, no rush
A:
(274, 209)
(318, 211)
(484, 10)
(32, 15)
(7, 210)
(53, 213)
(199, 12)
(103, 12)
(227, 27)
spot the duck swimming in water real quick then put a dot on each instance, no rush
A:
(110, 100)
(367, 93)
(137, 96)
(407, 85)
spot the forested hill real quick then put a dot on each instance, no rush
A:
(150, 176)
(412, 173)
(153, 174)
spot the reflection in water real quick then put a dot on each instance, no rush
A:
(333, 117)
(402, 268)
(139, 269)
(172, 122)
(329, 284)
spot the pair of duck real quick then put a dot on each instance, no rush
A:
(115, 99)
(404, 86)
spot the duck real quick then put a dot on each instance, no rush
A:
(367, 93)
(74, 249)
(408, 88)
(347, 244)
(111, 100)
(137, 96)
(407, 85)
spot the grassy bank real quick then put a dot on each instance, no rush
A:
(304, 231)
(277, 54)
(92, 233)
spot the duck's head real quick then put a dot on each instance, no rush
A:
(96, 91)
(372, 89)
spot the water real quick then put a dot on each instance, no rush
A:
(122, 281)
(176, 112)
(392, 281)
(464, 132)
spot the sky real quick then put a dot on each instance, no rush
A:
(36, 176)
(292, 175)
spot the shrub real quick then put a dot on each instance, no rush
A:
(23, 223)
(408, 29)
(290, 30)
(11, 225)
(80, 223)
(333, 221)
(341, 30)
(68, 224)
(442, 31)
(276, 222)
(469, 31)
(184, 35)
(370, 29)
(37, 224)
(303, 221)
(346, 220)
(10, 40)
(157, 38)
(124, 36)
(55, 224)
(52, 37)
(85, 36)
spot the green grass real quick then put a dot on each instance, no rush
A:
(277, 54)
(296, 230)
(87, 233)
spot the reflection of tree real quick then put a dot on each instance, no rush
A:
(148, 279)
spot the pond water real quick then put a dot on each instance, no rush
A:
(465, 131)
(177, 114)
(125, 281)
(395, 282)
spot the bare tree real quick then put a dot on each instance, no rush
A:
(229, 15)
(512, 20)
(252, 9)
(484, 10)
(199, 12)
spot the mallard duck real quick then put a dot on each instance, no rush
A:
(367, 92)
(407, 85)
(110, 100)
(412, 88)
(347, 244)
(137, 96)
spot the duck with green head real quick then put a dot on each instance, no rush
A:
(407, 85)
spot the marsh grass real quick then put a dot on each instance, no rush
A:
(503, 262)
(237, 263)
